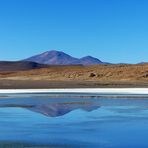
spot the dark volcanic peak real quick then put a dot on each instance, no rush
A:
(54, 57)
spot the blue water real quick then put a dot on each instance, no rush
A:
(99, 122)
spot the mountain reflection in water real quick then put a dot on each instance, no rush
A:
(56, 109)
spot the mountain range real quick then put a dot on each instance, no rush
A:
(54, 57)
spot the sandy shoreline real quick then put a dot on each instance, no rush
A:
(138, 91)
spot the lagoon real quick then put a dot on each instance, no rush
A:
(73, 120)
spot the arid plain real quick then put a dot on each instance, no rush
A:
(122, 75)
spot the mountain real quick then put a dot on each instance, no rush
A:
(54, 57)
(89, 60)
(143, 63)
(19, 65)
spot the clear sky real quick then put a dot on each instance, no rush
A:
(111, 30)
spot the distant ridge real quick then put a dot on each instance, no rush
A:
(54, 57)
(89, 60)
(19, 65)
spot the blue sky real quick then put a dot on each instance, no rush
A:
(111, 30)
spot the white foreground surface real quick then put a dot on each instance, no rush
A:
(80, 90)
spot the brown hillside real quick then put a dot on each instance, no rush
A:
(104, 73)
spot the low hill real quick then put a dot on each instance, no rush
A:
(19, 66)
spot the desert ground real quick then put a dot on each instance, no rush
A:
(110, 75)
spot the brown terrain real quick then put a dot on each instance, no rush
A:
(124, 75)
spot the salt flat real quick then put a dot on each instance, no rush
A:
(81, 90)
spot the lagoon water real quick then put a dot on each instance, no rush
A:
(73, 121)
